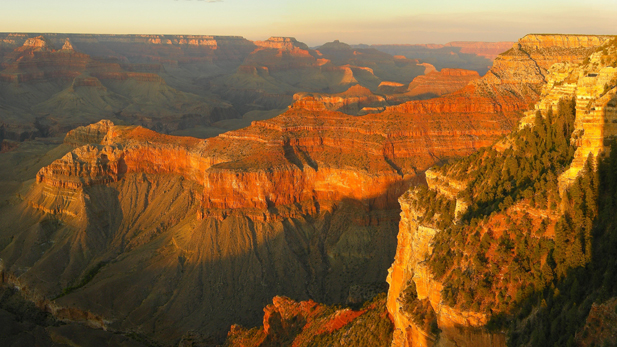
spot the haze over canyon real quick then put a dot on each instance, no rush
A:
(191, 190)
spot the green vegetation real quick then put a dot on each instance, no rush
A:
(532, 259)
(373, 328)
(528, 169)
(84, 280)
(497, 257)
(421, 311)
(439, 210)
(561, 309)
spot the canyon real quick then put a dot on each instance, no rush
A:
(196, 85)
(303, 203)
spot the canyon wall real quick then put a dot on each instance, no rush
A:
(580, 67)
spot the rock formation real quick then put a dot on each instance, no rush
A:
(350, 101)
(432, 85)
(93, 88)
(175, 83)
(243, 210)
(283, 43)
(573, 66)
(306, 323)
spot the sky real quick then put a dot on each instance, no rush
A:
(315, 22)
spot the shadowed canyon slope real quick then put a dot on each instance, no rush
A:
(201, 234)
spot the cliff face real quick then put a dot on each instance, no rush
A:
(591, 80)
(307, 155)
(591, 83)
(414, 248)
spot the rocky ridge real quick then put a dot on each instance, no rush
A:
(351, 101)
(431, 85)
(307, 323)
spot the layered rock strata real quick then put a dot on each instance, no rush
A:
(203, 233)
(43, 89)
(414, 247)
(350, 101)
(432, 85)
(585, 73)
(306, 323)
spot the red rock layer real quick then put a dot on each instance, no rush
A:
(290, 323)
(434, 84)
(513, 83)
(36, 60)
(350, 101)
(309, 153)
(298, 156)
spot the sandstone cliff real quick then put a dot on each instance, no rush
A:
(586, 75)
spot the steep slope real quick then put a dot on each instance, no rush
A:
(499, 231)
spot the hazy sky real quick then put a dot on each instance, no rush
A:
(316, 21)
